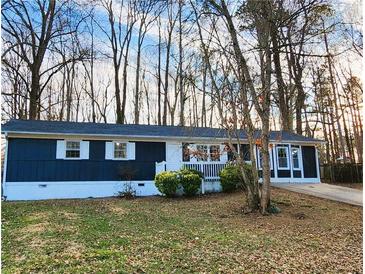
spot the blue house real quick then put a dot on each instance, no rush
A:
(51, 160)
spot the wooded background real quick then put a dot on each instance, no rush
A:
(274, 64)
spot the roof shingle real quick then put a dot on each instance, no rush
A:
(77, 128)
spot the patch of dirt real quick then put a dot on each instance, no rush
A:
(116, 208)
(37, 216)
(35, 228)
(74, 249)
(70, 215)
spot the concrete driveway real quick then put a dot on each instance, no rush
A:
(331, 192)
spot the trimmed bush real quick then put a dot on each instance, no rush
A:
(167, 182)
(230, 178)
(190, 181)
(185, 171)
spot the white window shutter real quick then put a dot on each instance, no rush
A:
(131, 151)
(109, 150)
(61, 149)
(84, 150)
(224, 154)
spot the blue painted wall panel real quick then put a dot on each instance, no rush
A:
(35, 160)
(297, 174)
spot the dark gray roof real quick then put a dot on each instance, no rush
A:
(57, 127)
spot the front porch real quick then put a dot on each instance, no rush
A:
(210, 172)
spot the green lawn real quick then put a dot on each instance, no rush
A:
(208, 234)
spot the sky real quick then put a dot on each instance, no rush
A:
(350, 10)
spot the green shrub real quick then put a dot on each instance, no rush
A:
(249, 174)
(230, 178)
(167, 182)
(190, 181)
(191, 171)
(273, 209)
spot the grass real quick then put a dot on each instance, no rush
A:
(204, 234)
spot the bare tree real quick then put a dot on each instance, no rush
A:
(32, 39)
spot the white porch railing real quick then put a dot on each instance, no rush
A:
(210, 170)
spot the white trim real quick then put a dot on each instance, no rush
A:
(126, 150)
(317, 163)
(129, 155)
(185, 139)
(300, 168)
(223, 157)
(273, 150)
(131, 150)
(5, 167)
(84, 150)
(259, 167)
(287, 156)
(294, 180)
(75, 189)
(291, 163)
(62, 144)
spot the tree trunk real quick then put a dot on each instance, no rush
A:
(34, 94)
(284, 108)
(334, 92)
(182, 94)
(159, 75)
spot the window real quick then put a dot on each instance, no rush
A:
(282, 153)
(295, 157)
(202, 153)
(214, 153)
(72, 149)
(260, 158)
(120, 150)
(186, 152)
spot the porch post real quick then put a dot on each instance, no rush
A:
(203, 187)
(274, 162)
(290, 162)
(317, 165)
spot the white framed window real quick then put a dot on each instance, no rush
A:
(214, 153)
(259, 158)
(186, 152)
(295, 157)
(282, 154)
(202, 153)
(120, 150)
(72, 149)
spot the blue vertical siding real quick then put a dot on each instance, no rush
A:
(34, 160)
(297, 174)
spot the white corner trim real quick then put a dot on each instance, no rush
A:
(317, 163)
(273, 150)
(5, 161)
